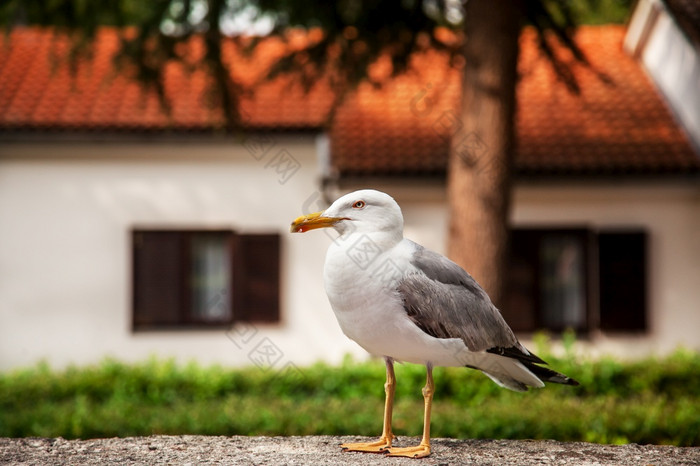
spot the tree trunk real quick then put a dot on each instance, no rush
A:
(483, 143)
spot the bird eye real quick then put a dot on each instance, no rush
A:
(358, 205)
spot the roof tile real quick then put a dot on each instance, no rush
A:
(401, 128)
(617, 125)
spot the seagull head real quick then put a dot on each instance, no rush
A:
(364, 211)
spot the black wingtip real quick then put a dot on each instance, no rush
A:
(531, 361)
(573, 382)
(563, 380)
(548, 375)
(516, 353)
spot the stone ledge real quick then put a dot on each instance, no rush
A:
(195, 449)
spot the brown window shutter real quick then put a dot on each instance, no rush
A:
(158, 286)
(622, 263)
(257, 278)
(522, 297)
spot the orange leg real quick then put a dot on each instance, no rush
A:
(387, 437)
(423, 449)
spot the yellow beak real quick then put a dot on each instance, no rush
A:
(312, 222)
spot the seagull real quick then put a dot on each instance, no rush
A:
(405, 303)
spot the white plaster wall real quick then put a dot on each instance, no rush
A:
(638, 23)
(674, 64)
(65, 218)
(66, 211)
(671, 215)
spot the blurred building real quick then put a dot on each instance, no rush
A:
(128, 230)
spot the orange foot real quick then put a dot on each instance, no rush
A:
(420, 451)
(380, 446)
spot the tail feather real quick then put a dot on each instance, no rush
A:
(507, 372)
(507, 382)
(548, 375)
(518, 372)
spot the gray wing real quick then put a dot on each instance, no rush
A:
(446, 302)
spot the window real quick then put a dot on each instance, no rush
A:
(576, 278)
(195, 278)
(623, 278)
(563, 281)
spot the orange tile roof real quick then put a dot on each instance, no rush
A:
(37, 91)
(393, 130)
(621, 126)
(610, 128)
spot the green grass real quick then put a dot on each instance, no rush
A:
(594, 11)
(650, 401)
